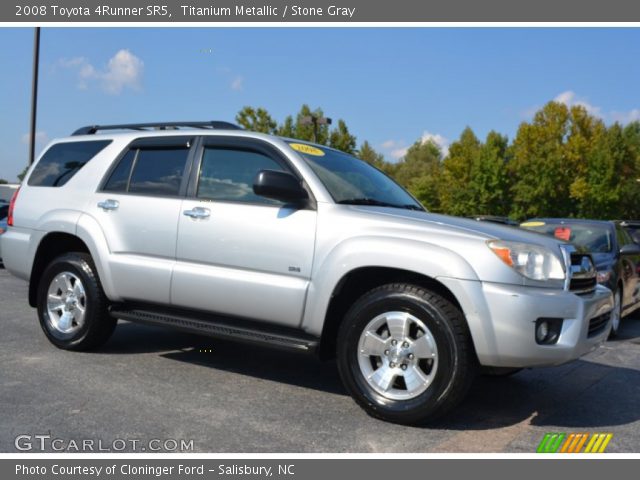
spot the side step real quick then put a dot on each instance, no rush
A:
(221, 327)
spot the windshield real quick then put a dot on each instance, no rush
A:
(588, 237)
(350, 180)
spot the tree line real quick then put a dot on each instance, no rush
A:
(565, 162)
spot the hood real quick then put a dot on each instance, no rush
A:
(456, 225)
(603, 261)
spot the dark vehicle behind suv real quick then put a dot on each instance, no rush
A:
(615, 254)
(633, 228)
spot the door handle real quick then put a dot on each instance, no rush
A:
(109, 204)
(197, 212)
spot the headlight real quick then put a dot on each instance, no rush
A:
(531, 261)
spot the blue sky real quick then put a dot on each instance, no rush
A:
(391, 85)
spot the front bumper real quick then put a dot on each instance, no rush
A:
(502, 322)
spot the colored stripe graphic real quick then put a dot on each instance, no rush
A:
(598, 443)
(551, 442)
(574, 442)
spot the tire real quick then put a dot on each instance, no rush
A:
(499, 371)
(432, 345)
(72, 307)
(616, 314)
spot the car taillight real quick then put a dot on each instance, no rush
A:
(12, 204)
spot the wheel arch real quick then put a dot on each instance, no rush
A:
(52, 245)
(88, 238)
(356, 283)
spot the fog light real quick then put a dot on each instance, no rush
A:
(542, 331)
(548, 330)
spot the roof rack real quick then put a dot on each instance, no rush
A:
(214, 124)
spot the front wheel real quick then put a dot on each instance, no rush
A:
(405, 354)
(72, 307)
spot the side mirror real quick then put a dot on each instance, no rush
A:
(278, 185)
(630, 249)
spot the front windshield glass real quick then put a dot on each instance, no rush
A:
(587, 237)
(350, 180)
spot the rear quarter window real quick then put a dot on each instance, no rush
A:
(62, 161)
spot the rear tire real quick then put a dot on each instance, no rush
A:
(72, 307)
(405, 354)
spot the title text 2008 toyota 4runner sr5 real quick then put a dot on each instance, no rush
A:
(208, 228)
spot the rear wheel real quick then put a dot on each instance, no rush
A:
(405, 354)
(72, 307)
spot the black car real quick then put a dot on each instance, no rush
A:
(615, 254)
(632, 227)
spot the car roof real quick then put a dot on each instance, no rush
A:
(130, 135)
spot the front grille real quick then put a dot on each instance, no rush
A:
(597, 324)
(583, 274)
(582, 285)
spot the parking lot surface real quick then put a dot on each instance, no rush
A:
(150, 383)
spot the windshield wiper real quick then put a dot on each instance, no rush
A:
(376, 203)
(412, 206)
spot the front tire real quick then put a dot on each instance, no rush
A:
(405, 354)
(72, 307)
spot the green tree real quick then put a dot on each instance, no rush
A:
(419, 171)
(341, 139)
(458, 196)
(3, 181)
(257, 120)
(304, 131)
(369, 155)
(489, 177)
(287, 128)
(602, 181)
(549, 161)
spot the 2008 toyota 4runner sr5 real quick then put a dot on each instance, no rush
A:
(208, 228)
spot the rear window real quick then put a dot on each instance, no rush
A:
(62, 161)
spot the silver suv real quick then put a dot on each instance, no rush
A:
(210, 229)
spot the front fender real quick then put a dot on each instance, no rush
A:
(376, 251)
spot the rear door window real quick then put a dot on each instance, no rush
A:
(150, 170)
(158, 172)
(62, 161)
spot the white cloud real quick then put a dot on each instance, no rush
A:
(72, 62)
(237, 83)
(437, 139)
(398, 153)
(123, 70)
(397, 149)
(570, 99)
(41, 138)
(626, 117)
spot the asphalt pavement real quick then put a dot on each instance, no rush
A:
(154, 384)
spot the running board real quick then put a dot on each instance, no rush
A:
(222, 327)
